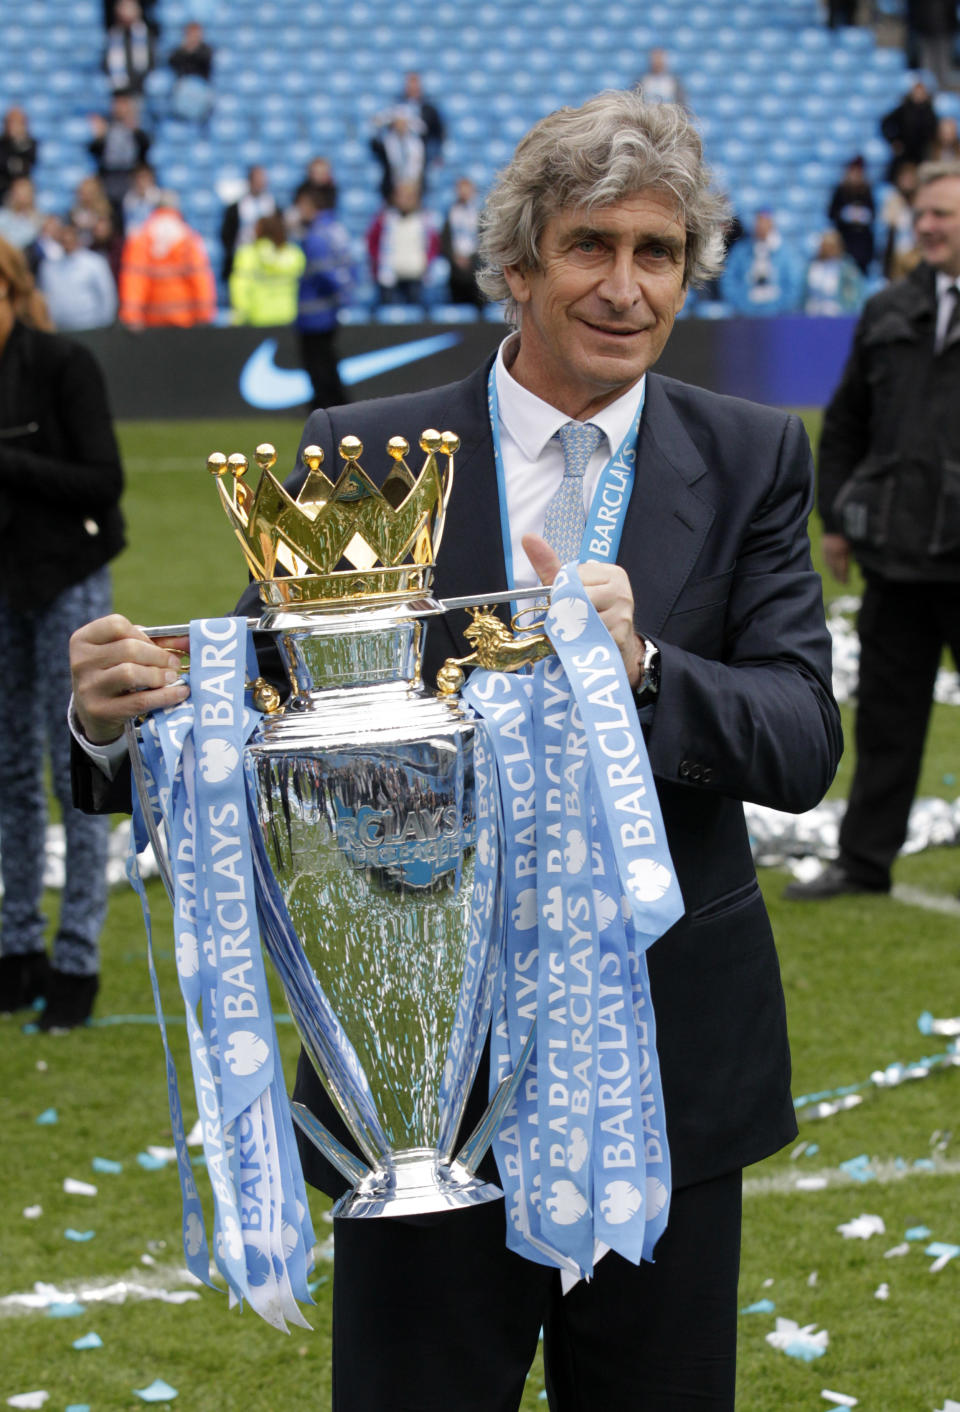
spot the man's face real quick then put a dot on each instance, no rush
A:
(936, 220)
(597, 313)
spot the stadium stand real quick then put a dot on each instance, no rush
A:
(783, 101)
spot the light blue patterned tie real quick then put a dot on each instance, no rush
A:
(566, 518)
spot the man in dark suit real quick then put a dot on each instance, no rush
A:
(592, 237)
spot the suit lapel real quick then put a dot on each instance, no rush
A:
(667, 520)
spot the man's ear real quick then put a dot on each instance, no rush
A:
(518, 282)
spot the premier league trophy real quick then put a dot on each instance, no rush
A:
(373, 820)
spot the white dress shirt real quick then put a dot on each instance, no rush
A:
(945, 305)
(533, 460)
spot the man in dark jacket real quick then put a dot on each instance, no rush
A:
(890, 495)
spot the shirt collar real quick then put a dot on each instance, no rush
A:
(532, 422)
(945, 282)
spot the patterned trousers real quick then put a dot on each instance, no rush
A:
(34, 650)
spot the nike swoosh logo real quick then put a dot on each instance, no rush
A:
(265, 386)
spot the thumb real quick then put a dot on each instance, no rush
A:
(542, 557)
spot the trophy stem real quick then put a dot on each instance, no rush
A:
(414, 1184)
(346, 1164)
(483, 1134)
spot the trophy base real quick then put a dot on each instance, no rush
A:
(416, 1184)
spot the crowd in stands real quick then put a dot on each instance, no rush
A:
(125, 251)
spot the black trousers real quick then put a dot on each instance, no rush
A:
(318, 353)
(903, 628)
(436, 1315)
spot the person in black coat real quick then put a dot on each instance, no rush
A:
(18, 149)
(60, 485)
(910, 127)
(852, 212)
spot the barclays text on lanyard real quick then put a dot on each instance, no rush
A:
(193, 757)
(589, 885)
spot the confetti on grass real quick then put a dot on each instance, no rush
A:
(862, 1227)
(158, 1391)
(805, 1343)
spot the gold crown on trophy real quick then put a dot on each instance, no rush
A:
(387, 536)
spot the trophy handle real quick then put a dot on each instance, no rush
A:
(349, 1166)
(140, 784)
(482, 1136)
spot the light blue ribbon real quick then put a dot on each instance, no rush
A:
(589, 885)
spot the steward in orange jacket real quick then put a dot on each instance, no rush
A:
(165, 274)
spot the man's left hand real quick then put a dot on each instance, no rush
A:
(608, 589)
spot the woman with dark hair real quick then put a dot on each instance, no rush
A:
(60, 485)
(18, 149)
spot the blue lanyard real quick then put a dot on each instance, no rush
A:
(608, 507)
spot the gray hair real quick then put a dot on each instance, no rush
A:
(595, 156)
(937, 171)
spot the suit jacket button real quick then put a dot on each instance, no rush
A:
(707, 775)
(684, 769)
(695, 772)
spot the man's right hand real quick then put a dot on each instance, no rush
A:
(119, 673)
(836, 555)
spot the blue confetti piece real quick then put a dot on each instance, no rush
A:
(78, 1407)
(158, 1391)
(48, 1117)
(762, 1306)
(925, 1023)
(812, 1149)
(314, 1285)
(90, 1340)
(859, 1168)
(804, 1350)
(925, 1164)
(918, 1233)
(149, 1163)
(941, 1248)
(106, 1164)
(66, 1309)
(71, 1234)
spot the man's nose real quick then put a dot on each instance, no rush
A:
(620, 286)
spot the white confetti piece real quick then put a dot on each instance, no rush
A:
(882, 1291)
(897, 1250)
(862, 1227)
(27, 1399)
(74, 1188)
(804, 1343)
(33, 1213)
(812, 1278)
(839, 1399)
(810, 1183)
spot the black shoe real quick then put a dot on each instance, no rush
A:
(832, 882)
(23, 979)
(69, 1000)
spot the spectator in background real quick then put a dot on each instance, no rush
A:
(834, 283)
(910, 127)
(852, 212)
(326, 285)
(402, 242)
(141, 197)
(165, 274)
(400, 150)
(763, 275)
(20, 221)
(841, 12)
(945, 146)
(89, 204)
(932, 28)
(239, 223)
(900, 253)
(424, 117)
(266, 276)
(658, 84)
(119, 146)
(458, 242)
(62, 480)
(107, 241)
(318, 182)
(129, 55)
(78, 286)
(18, 149)
(192, 64)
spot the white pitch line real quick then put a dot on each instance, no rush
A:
(784, 1183)
(929, 901)
(144, 1283)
